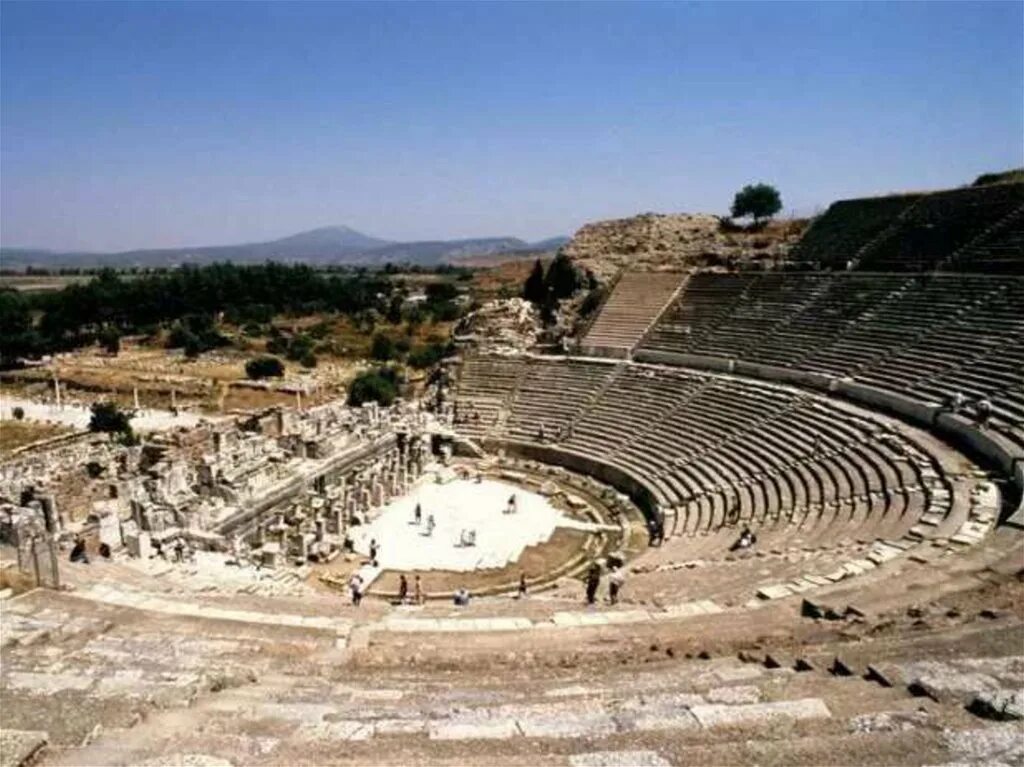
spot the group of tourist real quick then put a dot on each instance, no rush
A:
(616, 580)
(982, 407)
(403, 590)
(417, 518)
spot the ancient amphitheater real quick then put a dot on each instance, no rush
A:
(860, 411)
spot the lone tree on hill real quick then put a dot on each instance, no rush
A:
(534, 289)
(760, 201)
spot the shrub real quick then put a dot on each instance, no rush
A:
(427, 356)
(264, 367)
(308, 360)
(446, 311)
(110, 340)
(18, 413)
(382, 348)
(376, 385)
(108, 418)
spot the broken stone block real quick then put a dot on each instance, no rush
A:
(1001, 705)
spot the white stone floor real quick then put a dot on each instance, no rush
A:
(460, 505)
(77, 416)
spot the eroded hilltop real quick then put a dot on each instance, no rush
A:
(653, 241)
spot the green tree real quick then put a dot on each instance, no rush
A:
(18, 413)
(108, 418)
(378, 385)
(563, 278)
(264, 367)
(110, 340)
(759, 201)
(534, 289)
(427, 356)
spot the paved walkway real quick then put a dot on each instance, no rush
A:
(77, 416)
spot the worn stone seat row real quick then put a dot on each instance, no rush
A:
(925, 336)
(714, 451)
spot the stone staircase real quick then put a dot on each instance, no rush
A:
(636, 301)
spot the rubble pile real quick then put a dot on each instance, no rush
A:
(502, 326)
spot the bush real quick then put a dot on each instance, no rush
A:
(110, 340)
(108, 418)
(382, 348)
(308, 360)
(195, 334)
(18, 413)
(378, 385)
(277, 344)
(446, 311)
(264, 367)
(427, 356)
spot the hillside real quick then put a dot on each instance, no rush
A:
(670, 242)
(326, 245)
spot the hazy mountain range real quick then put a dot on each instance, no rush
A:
(326, 245)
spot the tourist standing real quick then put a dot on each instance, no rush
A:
(403, 589)
(355, 585)
(983, 410)
(593, 582)
(522, 585)
(418, 590)
(374, 548)
(615, 580)
(418, 514)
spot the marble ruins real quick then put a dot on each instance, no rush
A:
(278, 487)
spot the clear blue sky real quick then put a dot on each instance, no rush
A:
(136, 125)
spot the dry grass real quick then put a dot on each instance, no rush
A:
(15, 434)
(504, 280)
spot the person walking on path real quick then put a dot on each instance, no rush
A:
(355, 584)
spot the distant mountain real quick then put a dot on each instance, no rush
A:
(551, 243)
(326, 245)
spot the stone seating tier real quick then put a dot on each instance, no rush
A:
(717, 452)
(925, 337)
(974, 229)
